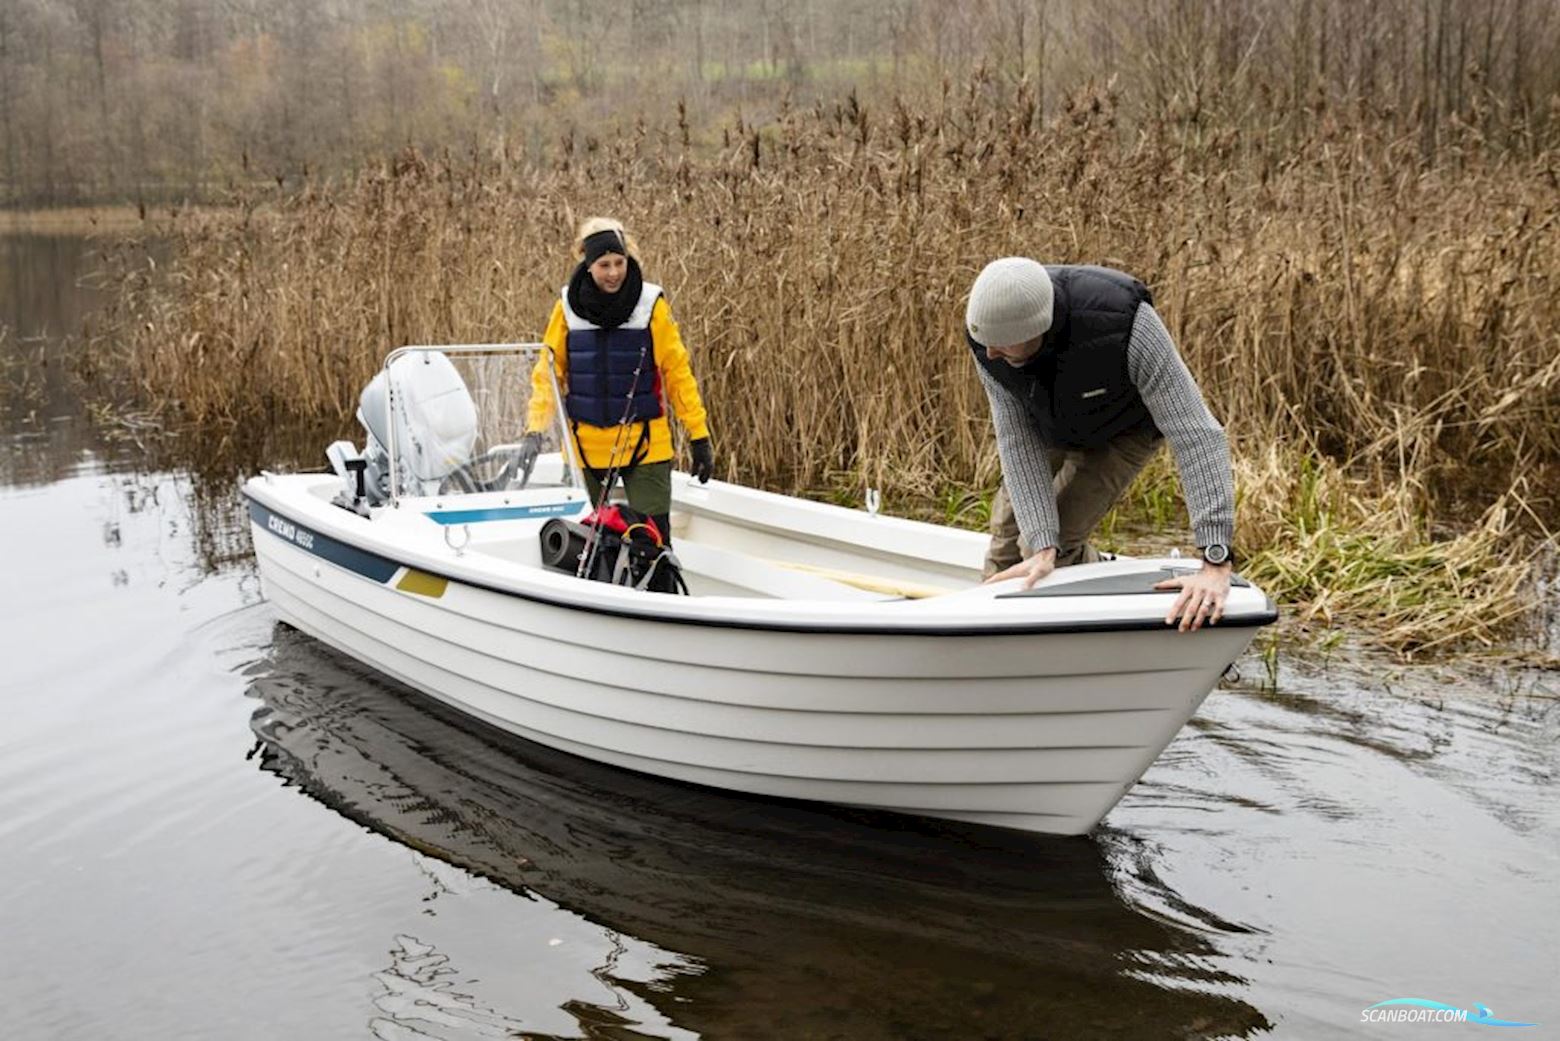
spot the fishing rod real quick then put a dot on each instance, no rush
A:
(588, 556)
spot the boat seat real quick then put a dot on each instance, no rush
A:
(1115, 585)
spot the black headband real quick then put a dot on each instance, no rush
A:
(604, 242)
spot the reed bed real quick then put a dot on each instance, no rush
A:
(1381, 336)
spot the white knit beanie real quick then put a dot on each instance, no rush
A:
(1010, 303)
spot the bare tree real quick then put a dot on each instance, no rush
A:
(8, 103)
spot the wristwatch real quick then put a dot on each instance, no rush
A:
(1218, 553)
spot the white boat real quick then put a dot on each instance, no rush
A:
(822, 652)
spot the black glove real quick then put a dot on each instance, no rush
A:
(703, 460)
(525, 456)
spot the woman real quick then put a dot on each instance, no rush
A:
(620, 362)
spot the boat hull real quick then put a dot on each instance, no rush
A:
(1041, 732)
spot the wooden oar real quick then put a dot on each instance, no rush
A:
(871, 583)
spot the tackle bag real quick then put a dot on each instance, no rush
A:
(631, 551)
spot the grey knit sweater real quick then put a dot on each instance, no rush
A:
(1202, 452)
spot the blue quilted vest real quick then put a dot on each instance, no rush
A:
(602, 363)
(1076, 390)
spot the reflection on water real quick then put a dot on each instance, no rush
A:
(50, 290)
(426, 993)
(43, 295)
(835, 922)
(47, 284)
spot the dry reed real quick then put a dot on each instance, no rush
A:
(1392, 326)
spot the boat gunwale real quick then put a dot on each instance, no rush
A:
(982, 628)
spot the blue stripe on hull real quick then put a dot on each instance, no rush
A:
(369, 565)
(497, 513)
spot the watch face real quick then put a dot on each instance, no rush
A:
(1216, 554)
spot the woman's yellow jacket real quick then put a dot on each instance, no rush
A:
(678, 390)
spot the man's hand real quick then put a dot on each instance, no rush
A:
(1031, 570)
(1203, 593)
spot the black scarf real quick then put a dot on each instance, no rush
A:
(608, 310)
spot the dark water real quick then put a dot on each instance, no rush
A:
(211, 826)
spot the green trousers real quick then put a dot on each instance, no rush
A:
(649, 489)
(1087, 483)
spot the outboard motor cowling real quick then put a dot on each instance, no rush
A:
(435, 430)
(435, 420)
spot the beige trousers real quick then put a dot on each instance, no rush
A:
(1087, 483)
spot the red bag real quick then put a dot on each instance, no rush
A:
(625, 522)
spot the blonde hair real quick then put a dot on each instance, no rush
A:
(592, 225)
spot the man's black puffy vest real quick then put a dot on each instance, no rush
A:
(602, 363)
(1076, 390)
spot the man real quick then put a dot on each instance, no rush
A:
(1084, 382)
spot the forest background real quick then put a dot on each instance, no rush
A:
(155, 100)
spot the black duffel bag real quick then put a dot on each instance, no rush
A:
(630, 551)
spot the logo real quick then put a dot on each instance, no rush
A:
(1418, 1010)
(290, 531)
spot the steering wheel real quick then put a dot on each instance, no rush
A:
(467, 477)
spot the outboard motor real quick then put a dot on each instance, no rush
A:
(435, 429)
